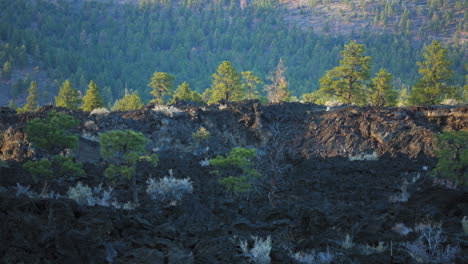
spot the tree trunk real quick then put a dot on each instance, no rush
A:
(134, 189)
(45, 187)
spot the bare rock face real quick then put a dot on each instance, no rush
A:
(309, 130)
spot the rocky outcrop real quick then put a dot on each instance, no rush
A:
(308, 130)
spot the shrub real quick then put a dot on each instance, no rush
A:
(260, 252)
(347, 243)
(20, 190)
(452, 156)
(169, 189)
(85, 195)
(369, 250)
(240, 162)
(201, 136)
(401, 229)
(428, 247)
(313, 257)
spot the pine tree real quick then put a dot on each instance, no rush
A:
(226, 84)
(32, 101)
(128, 102)
(278, 89)
(185, 93)
(348, 80)
(382, 92)
(162, 84)
(52, 135)
(124, 149)
(68, 97)
(433, 86)
(92, 99)
(251, 81)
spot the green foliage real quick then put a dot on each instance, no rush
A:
(67, 166)
(52, 133)
(162, 84)
(115, 172)
(436, 73)
(128, 102)
(68, 97)
(185, 93)
(240, 162)
(226, 84)
(119, 46)
(382, 92)
(316, 97)
(32, 101)
(39, 169)
(153, 159)
(452, 156)
(123, 149)
(347, 81)
(201, 136)
(92, 99)
(250, 80)
(235, 184)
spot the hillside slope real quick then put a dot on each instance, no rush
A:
(319, 196)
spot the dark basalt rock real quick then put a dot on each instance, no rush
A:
(319, 198)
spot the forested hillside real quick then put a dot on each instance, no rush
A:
(119, 44)
(417, 19)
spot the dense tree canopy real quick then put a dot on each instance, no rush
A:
(347, 81)
(32, 101)
(128, 102)
(434, 84)
(92, 99)
(68, 97)
(382, 92)
(162, 84)
(226, 84)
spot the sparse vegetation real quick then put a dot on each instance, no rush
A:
(259, 253)
(430, 247)
(169, 189)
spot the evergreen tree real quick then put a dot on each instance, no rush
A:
(226, 84)
(382, 92)
(433, 86)
(124, 148)
(162, 84)
(251, 81)
(6, 71)
(68, 97)
(185, 93)
(52, 135)
(278, 89)
(347, 81)
(32, 101)
(92, 99)
(452, 155)
(128, 102)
